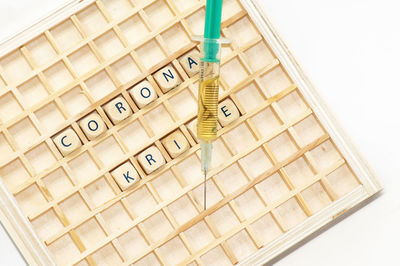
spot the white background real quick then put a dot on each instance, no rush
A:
(350, 50)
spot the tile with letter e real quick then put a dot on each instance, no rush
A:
(117, 110)
(93, 126)
(143, 93)
(125, 175)
(151, 159)
(167, 78)
(67, 141)
(227, 112)
(191, 62)
(176, 144)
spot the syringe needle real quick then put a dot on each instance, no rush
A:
(205, 190)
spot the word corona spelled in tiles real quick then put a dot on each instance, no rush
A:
(98, 146)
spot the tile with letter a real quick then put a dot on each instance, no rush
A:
(125, 175)
(151, 159)
(227, 112)
(143, 93)
(167, 78)
(67, 141)
(93, 126)
(191, 62)
(175, 144)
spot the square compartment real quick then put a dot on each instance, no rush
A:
(58, 76)
(255, 163)
(282, 146)
(224, 219)
(325, 155)
(159, 120)
(47, 225)
(241, 245)
(150, 259)
(150, 54)
(166, 185)
(275, 81)
(99, 192)
(74, 208)
(183, 210)
(249, 203)
(41, 50)
(291, 213)
(315, 197)
(309, 130)
(24, 133)
(233, 72)
(9, 107)
(83, 60)
(107, 256)
(33, 91)
(196, 21)
(266, 122)
(250, 98)
(243, 31)
(63, 248)
(134, 136)
(190, 169)
(259, 56)
(109, 151)
(183, 5)
(293, 106)
(299, 172)
(109, 45)
(118, 8)
(133, 243)
(83, 168)
(134, 29)
(14, 174)
(266, 229)
(175, 38)
(216, 257)
(199, 235)
(66, 35)
(157, 227)
(232, 178)
(100, 85)
(90, 233)
(342, 180)
(213, 194)
(141, 201)
(75, 101)
(5, 149)
(158, 13)
(184, 104)
(50, 117)
(125, 69)
(40, 157)
(30, 199)
(15, 67)
(274, 188)
(91, 20)
(174, 251)
(57, 183)
(230, 8)
(116, 218)
(219, 153)
(239, 139)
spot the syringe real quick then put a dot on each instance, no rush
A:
(209, 85)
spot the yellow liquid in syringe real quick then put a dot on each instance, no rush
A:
(208, 107)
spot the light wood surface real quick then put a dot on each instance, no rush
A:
(275, 166)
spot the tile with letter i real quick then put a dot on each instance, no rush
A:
(227, 112)
(67, 141)
(191, 62)
(175, 144)
(125, 175)
(117, 110)
(143, 93)
(167, 78)
(151, 159)
(93, 126)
